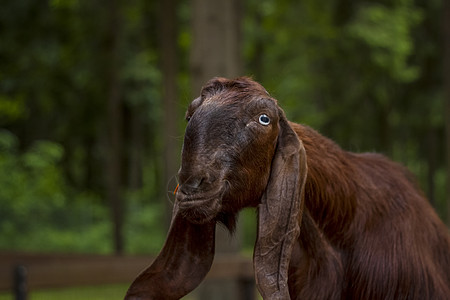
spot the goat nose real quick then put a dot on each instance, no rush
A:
(192, 185)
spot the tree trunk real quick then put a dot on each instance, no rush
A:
(256, 65)
(136, 147)
(216, 32)
(432, 164)
(446, 32)
(216, 52)
(114, 128)
(170, 105)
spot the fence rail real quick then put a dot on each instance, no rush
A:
(61, 270)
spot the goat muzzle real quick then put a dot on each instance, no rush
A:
(199, 201)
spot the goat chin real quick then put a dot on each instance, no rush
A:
(200, 211)
(200, 207)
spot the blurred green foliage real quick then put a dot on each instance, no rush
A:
(365, 73)
(39, 212)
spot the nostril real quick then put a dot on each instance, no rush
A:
(192, 185)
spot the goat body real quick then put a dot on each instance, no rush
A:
(331, 224)
(367, 231)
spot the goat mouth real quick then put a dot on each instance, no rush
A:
(201, 208)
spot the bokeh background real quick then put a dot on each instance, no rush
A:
(93, 94)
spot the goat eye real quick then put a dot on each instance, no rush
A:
(264, 120)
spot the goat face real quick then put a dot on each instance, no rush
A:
(229, 143)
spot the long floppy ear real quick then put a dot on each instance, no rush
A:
(279, 214)
(181, 265)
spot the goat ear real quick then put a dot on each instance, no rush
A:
(279, 214)
(181, 265)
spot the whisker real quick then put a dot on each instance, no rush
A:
(169, 190)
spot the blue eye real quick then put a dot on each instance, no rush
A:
(264, 120)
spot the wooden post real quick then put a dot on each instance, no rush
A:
(20, 283)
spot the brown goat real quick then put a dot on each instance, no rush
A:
(367, 231)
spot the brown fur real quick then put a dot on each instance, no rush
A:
(366, 230)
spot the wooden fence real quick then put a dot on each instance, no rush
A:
(62, 270)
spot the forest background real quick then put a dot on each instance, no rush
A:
(93, 94)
